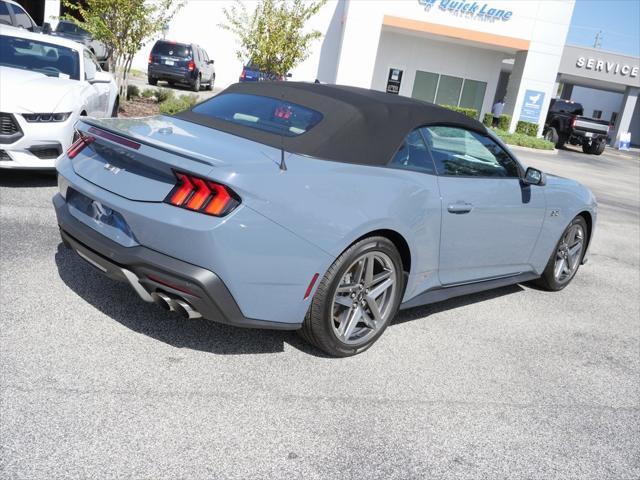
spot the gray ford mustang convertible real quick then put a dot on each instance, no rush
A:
(314, 207)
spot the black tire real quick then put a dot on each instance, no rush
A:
(548, 280)
(551, 135)
(152, 81)
(586, 148)
(196, 85)
(116, 106)
(562, 139)
(318, 328)
(599, 148)
(211, 82)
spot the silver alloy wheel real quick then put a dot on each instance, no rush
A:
(569, 254)
(364, 299)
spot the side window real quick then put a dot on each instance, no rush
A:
(463, 153)
(413, 155)
(89, 67)
(5, 16)
(198, 56)
(205, 56)
(22, 19)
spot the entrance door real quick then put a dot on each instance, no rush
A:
(490, 222)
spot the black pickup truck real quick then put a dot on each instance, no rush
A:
(565, 123)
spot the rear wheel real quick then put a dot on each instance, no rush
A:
(551, 135)
(566, 258)
(196, 85)
(357, 298)
(211, 82)
(152, 81)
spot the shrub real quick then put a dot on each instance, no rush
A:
(488, 119)
(148, 93)
(504, 121)
(469, 112)
(527, 128)
(175, 105)
(164, 94)
(132, 91)
(524, 140)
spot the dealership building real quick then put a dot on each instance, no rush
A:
(464, 53)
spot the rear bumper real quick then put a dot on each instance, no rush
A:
(141, 267)
(167, 73)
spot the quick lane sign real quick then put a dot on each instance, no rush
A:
(481, 11)
(531, 106)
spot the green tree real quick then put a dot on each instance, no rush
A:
(273, 36)
(124, 26)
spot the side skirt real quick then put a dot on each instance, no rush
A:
(444, 293)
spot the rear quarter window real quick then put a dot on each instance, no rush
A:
(262, 113)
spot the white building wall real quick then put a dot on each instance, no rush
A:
(412, 53)
(593, 99)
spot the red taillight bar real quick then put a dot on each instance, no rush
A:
(79, 145)
(114, 138)
(191, 65)
(204, 196)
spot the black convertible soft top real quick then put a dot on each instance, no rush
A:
(359, 125)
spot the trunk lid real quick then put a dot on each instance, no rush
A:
(137, 158)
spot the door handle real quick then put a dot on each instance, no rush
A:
(460, 208)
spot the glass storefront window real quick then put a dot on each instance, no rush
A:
(472, 94)
(424, 86)
(448, 90)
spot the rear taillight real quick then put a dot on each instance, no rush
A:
(243, 75)
(573, 122)
(79, 145)
(150, 58)
(191, 65)
(204, 196)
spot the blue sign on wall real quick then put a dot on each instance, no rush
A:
(531, 106)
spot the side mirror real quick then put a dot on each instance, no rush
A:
(288, 75)
(46, 28)
(534, 176)
(211, 62)
(100, 77)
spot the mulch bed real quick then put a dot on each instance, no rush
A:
(139, 107)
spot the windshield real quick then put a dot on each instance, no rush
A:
(68, 27)
(263, 113)
(47, 58)
(171, 50)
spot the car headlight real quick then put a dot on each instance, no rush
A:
(46, 117)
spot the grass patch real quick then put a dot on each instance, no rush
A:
(522, 140)
(178, 104)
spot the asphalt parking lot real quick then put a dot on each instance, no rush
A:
(513, 383)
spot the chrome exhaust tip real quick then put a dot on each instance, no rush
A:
(186, 310)
(163, 300)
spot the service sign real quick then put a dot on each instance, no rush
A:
(531, 106)
(475, 10)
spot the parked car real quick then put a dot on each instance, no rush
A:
(565, 123)
(70, 30)
(251, 73)
(315, 207)
(12, 14)
(181, 63)
(47, 84)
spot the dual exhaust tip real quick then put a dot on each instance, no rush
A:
(173, 304)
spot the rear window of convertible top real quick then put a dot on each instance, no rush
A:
(263, 113)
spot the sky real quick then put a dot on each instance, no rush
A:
(619, 21)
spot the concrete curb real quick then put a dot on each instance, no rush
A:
(517, 148)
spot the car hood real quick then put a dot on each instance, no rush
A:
(24, 91)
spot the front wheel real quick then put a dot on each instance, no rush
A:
(116, 106)
(357, 298)
(566, 258)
